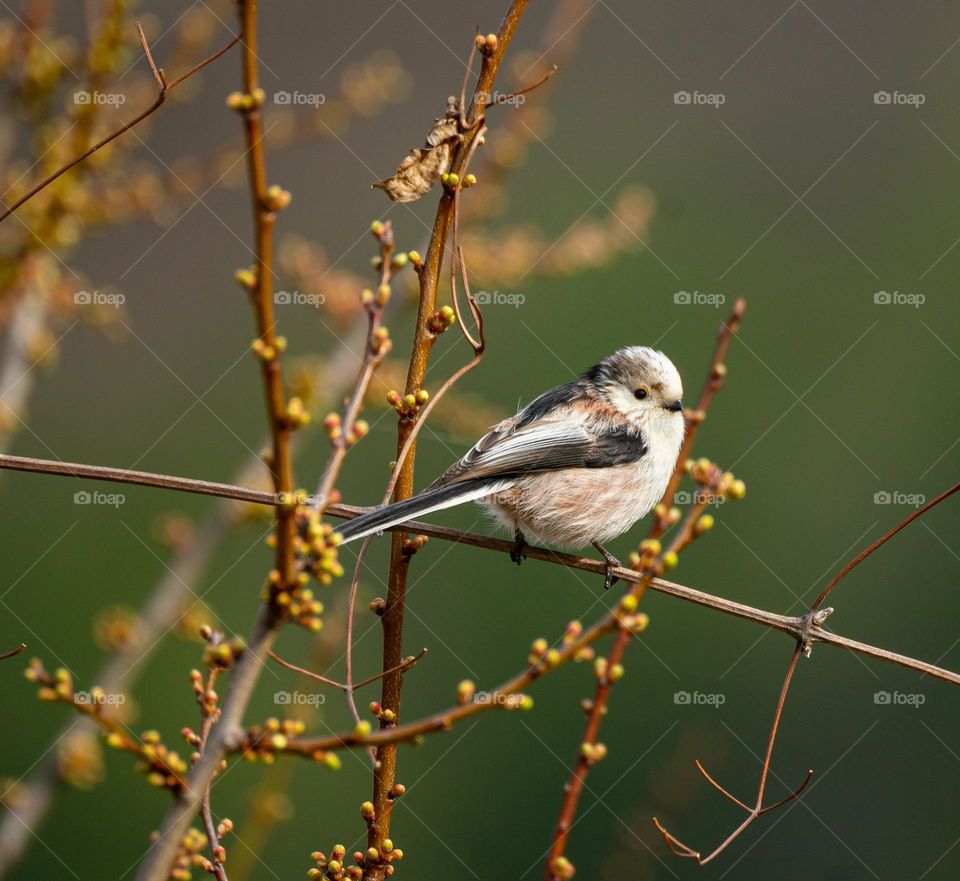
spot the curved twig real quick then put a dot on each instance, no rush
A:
(343, 686)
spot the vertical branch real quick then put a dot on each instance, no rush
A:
(266, 202)
(264, 218)
(384, 776)
(558, 866)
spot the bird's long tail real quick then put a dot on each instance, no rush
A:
(425, 503)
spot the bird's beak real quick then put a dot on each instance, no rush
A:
(674, 406)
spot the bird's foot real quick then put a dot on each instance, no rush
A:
(609, 579)
(519, 545)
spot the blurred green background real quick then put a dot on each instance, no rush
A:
(799, 193)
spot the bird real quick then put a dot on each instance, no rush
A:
(578, 466)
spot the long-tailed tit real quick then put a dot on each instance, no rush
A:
(577, 466)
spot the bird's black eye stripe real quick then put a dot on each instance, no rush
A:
(641, 393)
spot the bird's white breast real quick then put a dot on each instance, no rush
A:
(570, 508)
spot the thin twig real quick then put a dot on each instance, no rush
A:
(856, 561)
(163, 89)
(343, 686)
(13, 653)
(811, 621)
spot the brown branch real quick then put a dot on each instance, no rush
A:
(695, 418)
(856, 561)
(163, 89)
(794, 626)
(373, 354)
(392, 618)
(156, 864)
(557, 865)
(344, 686)
(14, 652)
(160, 612)
(812, 620)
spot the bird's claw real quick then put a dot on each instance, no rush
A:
(517, 551)
(609, 579)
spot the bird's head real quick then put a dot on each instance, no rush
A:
(641, 383)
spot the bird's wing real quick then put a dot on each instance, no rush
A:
(545, 444)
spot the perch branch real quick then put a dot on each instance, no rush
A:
(794, 626)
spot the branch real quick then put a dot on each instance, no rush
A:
(558, 867)
(14, 652)
(392, 619)
(163, 89)
(159, 613)
(812, 620)
(344, 686)
(794, 626)
(265, 203)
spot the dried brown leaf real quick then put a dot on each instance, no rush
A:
(422, 166)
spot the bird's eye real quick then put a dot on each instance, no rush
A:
(641, 393)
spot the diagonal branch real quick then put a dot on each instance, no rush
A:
(811, 621)
(163, 89)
